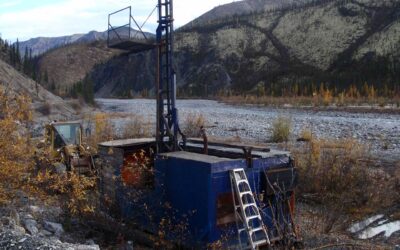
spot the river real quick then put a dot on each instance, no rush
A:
(380, 131)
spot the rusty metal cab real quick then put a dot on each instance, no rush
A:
(63, 141)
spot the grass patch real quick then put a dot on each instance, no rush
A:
(136, 127)
(305, 135)
(337, 173)
(192, 125)
(281, 128)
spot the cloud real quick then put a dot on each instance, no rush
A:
(76, 16)
(9, 4)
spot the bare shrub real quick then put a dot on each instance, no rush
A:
(44, 109)
(281, 129)
(137, 127)
(336, 173)
(305, 135)
(192, 125)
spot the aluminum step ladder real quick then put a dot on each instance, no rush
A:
(247, 214)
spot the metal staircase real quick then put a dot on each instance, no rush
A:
(248, 218)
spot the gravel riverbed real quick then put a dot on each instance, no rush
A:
(380, 131)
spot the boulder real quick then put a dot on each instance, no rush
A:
(53, 227)
(31, 226)
(35, 209)
(45, 233)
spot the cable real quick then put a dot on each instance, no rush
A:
(149, 17)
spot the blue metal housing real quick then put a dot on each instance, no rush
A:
(191, 197)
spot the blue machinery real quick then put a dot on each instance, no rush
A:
(185, 188)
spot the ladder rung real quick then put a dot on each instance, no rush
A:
(256, 229)
(249, 205)
(243, 217)
(259, 242)
(253, 217)
(238, 170)
(246, 192)
(242, 181)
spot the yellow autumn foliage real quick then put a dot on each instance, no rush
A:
(104, 130)
(15, 146)
(17, 162)
(73, 190)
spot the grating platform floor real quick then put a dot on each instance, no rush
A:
(132, 46)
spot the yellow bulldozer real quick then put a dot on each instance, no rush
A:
(65, 150)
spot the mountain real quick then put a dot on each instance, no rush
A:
(298, 47)
(41, 45)
(63, 67)
(335, 42)
(13, 81)
(244, 7)
(125, 75)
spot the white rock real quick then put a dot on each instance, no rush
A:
(22, 240)
(35, 209)
(87, 247)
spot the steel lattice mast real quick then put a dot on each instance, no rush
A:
(167, 117)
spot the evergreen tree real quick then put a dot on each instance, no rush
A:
(26, 62)
(46, 77)
(17, 56)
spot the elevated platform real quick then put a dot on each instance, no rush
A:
(132, 46)
(128, 38)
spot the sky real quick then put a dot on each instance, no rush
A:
(25, 19)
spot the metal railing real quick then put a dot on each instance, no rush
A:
(117, 34)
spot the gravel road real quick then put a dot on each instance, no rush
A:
(381, 131)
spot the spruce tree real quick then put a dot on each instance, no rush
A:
(26, 61)
(17, 56)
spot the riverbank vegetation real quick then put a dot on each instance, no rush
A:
(318, 96)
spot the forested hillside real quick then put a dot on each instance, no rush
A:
(338, 47)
